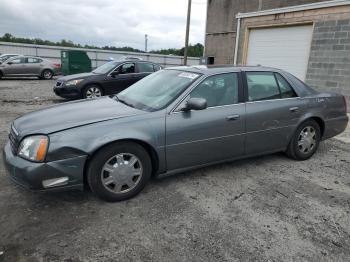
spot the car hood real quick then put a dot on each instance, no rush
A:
(75, 76)
(72, 114)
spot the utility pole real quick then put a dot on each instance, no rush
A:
(187, 30)
(146, 42)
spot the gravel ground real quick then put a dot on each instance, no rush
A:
(268, 208)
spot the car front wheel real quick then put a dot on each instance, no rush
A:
(119, 171)
(305, 141)
(92, 91)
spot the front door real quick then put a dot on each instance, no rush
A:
(213, 134)
(15, 66)
(124, 78)
(273, 110)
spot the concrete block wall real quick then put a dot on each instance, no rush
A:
(329, 61)
(221, 23)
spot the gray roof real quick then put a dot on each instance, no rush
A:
(213, 69)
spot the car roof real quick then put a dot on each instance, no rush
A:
(214, 69)
(9, 54)
(28, 56)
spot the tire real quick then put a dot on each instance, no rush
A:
(305, 141)
(46, 74)
(119, 171)
(92, 91)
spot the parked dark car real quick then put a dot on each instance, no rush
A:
(110, 78)
(171, 121)
(29, 66)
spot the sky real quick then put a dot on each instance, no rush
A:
(105, 22)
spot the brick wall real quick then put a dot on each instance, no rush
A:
(329, 61)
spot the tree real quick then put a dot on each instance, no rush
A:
(193, 50)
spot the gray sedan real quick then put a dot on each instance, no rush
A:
(28, 66)
(171, 121)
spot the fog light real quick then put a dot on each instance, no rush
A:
(60, 181)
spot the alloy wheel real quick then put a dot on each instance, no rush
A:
(93, 92)
(47, 74)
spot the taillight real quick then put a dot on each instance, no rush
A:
(345, 103)
(58, 66)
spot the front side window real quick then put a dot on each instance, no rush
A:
(145, 67)
(286, 89)
(156, 68)
(262, 86)
(157, 90)
(105, 68)
(127, 68)
(5, 57)
(218, 90)
(17, 61)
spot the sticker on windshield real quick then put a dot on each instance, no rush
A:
(188, 75)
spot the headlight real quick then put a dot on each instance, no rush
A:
(34, 148)
(73, 82)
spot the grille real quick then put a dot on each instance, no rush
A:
(13, 140)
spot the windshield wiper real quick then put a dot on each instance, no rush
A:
(124, 102)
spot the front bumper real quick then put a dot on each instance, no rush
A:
(67, 92)
(32, 175)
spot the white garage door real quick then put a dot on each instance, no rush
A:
(282, 47)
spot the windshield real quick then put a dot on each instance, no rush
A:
(157, 90)
(105, 68)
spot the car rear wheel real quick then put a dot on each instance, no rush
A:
(119, 171)
(47, 74)
(92, 91)
(305, 141)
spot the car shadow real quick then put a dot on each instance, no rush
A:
(86, 195)
(202, 171)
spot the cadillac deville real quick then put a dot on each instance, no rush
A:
(174, 120)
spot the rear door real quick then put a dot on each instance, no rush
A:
(213, 134)
(272, 111)
(33, 65)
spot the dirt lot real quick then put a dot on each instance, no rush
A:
(262, 209)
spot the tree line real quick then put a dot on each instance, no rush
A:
(193, 50)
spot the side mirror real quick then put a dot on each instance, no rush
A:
(10, 63)
(195, 104)
(114, 73)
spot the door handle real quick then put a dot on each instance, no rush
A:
(294, 109)
(232, 117)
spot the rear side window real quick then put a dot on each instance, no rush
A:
(262, 86)
(33, 60)
(145, 67)
(286, 89)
